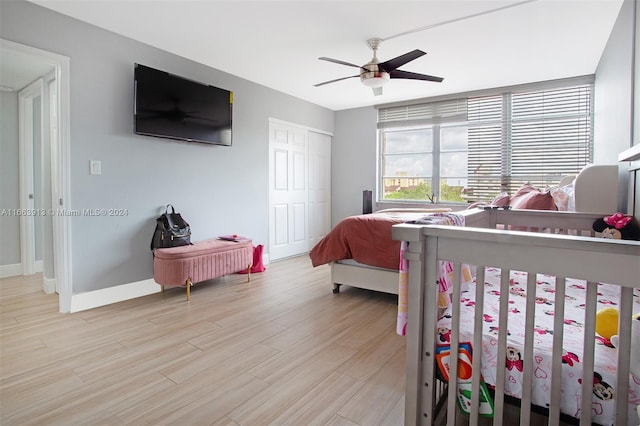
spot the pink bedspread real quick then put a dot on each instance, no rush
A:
(365, 239)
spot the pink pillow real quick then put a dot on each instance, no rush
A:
(529, 197)
(477, 204)
(501, 200)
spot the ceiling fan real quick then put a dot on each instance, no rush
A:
(375, 74)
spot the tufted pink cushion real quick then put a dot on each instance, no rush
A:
(200, 261)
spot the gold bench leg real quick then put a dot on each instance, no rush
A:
(162, 289)
(188, 289)
(249, 273)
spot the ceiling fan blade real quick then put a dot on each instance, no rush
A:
(333, 81)
(338, 61)
(394, 63)
(414, 76)
(377, 90)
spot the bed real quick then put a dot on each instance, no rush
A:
(541, 342)
(361, 252)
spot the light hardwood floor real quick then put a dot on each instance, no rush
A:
(282, 349)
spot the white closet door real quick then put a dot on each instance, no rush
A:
(319, 186)
(289, 192)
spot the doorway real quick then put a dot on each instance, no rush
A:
(32, 180)
(45, 73)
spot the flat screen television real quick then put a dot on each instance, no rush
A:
(169, 106)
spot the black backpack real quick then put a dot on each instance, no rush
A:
(171, 230)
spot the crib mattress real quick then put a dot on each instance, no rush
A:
(604, 370)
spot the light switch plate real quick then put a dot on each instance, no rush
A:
(95, 167)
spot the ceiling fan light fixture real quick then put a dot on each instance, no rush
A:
(374, 79)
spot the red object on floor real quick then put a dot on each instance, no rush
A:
(258, 264)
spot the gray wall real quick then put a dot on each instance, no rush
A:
(9, 224)
(218, 190)
(613, 126)
(353, 160)
(613, 91)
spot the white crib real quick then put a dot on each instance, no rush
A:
(565, 249)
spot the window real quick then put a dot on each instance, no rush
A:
(472, 148)
(408, 163)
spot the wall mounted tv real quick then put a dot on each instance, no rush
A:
(169, 106)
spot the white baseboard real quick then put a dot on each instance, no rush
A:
(120, 293)
(16, 269)
(49, 285)
(107, 296)
(10, 270)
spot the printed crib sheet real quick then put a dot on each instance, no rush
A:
(604, 390)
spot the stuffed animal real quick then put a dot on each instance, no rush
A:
(635, 345)
(618, 227)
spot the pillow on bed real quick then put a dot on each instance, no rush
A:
(530, 197)
(564, 197)
(500, 201)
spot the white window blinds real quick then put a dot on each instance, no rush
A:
(452, 110)
(551, 132)
(488, 154)
(533, 133)
(533, 136)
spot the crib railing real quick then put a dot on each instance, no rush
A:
(556, 251)
(566, 223)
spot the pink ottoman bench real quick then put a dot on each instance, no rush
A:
(201, 261)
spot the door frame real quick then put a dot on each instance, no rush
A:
(60, 167)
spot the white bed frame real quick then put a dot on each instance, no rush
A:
(362, 276)
(596, 191)
(588, 258)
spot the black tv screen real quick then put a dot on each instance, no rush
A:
(169, 106)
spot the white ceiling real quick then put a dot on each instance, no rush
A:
(473, 44)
